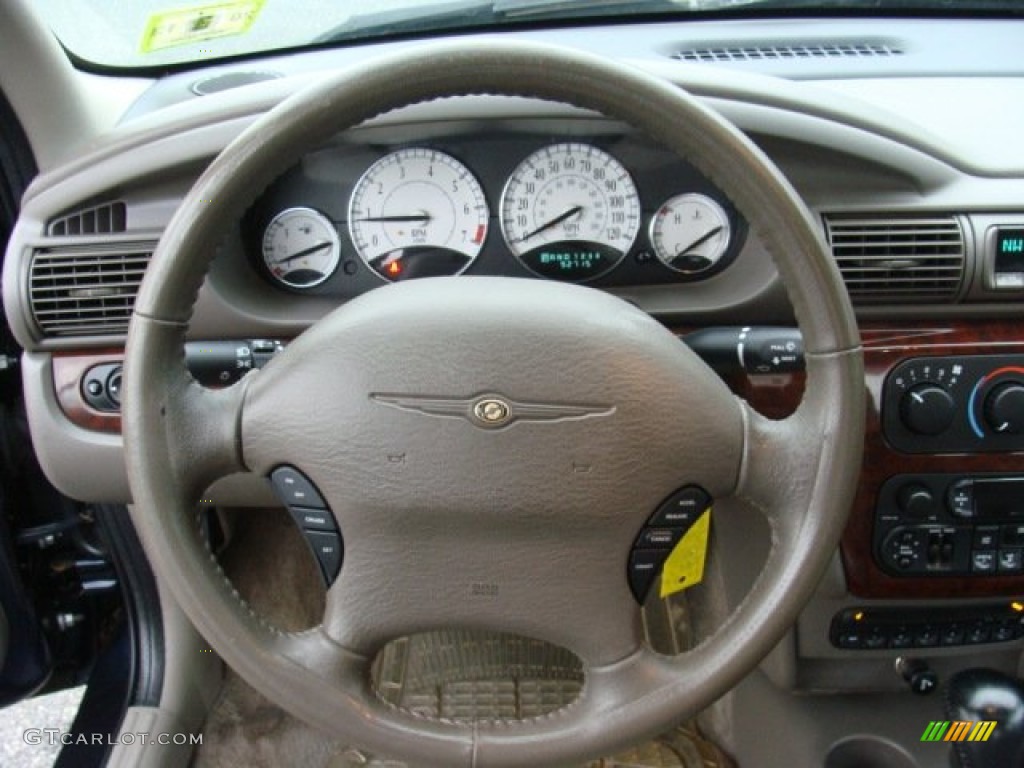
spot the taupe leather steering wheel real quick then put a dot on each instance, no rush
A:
(500, 507)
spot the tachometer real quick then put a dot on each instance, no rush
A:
(300, 248)
(417, 213)
(570, 212)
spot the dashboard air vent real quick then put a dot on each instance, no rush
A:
(102, 219)
(796, 50)
(886, 259)
(86, 289)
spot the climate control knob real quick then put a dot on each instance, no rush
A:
(1004, 408)
(927, 409)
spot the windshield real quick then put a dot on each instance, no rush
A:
(159, 33)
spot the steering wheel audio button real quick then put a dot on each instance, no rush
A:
(681, 509)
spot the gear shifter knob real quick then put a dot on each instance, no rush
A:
(986, 694)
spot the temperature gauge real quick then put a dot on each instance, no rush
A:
(301, 248)
(690, 233)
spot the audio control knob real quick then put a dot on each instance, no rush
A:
(927, 409)
(1004, 408)
(915, 500)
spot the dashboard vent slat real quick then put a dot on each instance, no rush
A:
(887, 258)
(76, 290)
(739, 52)
(103, 219)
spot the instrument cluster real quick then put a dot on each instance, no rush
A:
(605, 209)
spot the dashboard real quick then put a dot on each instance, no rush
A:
(921, 203)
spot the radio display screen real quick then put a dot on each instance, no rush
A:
(1010, 250)
(999, 499)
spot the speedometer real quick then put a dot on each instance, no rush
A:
(417, 213)
(570, 212)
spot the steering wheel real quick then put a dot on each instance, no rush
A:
(507, 508)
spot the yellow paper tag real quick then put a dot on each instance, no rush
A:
(684, 566)
(201, 22)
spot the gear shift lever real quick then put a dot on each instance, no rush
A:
(985, 694)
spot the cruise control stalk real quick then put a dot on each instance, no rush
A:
(754, 350)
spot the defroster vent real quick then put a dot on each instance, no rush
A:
(887, 259)
(86, 289)
(788, 51)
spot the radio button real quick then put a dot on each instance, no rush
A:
(986, 537)
(983, 561)
(1010, 561)
(961, 499)
(915, 500)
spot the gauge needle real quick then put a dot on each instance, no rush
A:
(555, 221)
(305, 252)
(424, 216)
(699, 241)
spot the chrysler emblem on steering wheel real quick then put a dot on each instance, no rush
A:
(491, 411)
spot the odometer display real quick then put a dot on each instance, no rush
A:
(570, 212)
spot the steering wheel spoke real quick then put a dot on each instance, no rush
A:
(201, 426)
(557, 590)
(784, 460)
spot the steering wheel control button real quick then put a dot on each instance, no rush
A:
(328, 550)
(674, 542)
(295, 489)
(659, 538)
(681, 509)
(314, 519)
(644, 565)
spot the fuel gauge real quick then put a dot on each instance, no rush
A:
(301, 248)
(690, 233)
